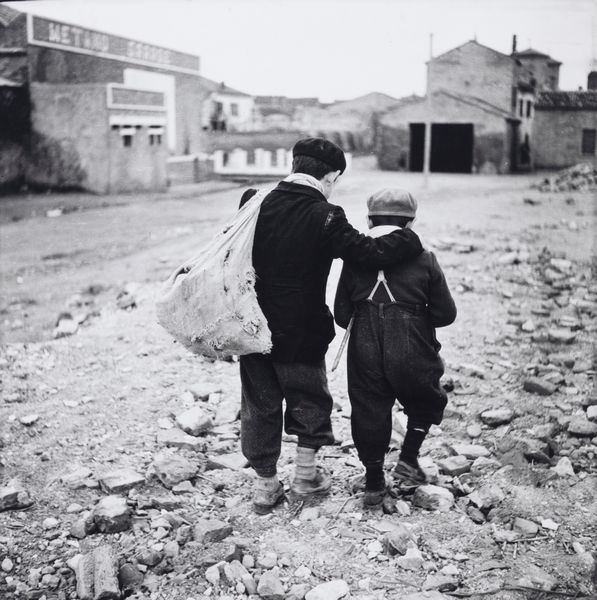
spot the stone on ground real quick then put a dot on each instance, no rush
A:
(433, 497)
(120, 480)
(412, 561)
(427, 595)
(497, 416)
(470, 450)
(171, 468)
(176, 438)
(536, 385)
(580, 426)
(14, 497)
(194, 421)
(211, 530)
(564, 468)
(234, 462)
(535, 577)
(455, 465)
(270, 587)
(129, 577)
(97, 575)
(331, 590)
(112, 514)
(525, 527)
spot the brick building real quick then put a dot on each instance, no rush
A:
(480, 104)
(91, 109)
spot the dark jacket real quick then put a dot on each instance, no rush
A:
(297, 236)
(419, 283)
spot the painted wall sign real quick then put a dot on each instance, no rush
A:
(54, 34)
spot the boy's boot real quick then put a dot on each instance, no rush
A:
(375, 485)
(267, 493)
(309, 478)
(407, 471)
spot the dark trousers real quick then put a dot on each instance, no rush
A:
(308, 408)
(392, 354)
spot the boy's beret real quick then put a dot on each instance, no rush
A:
(323, 150)
(392, 202)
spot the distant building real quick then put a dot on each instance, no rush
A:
(487, 112)
(279, 113)
(227, 109)
(101, 112)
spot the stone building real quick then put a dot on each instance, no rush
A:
(564, 129)
(480, 104)
(92, 110)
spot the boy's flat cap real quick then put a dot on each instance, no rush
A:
(392, 202)
(323, 150)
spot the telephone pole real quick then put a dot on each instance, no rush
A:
(427, 133)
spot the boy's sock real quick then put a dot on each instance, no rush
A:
(304, 463)
(412, 444)
(374, 477)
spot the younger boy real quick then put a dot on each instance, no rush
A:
(393, 351)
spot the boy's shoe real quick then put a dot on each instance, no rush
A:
(320, 484)
(374, 498)
(268, 492)
(408, 476)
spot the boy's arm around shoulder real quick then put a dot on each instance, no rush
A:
(344, 241)
(442, 307)
(343, 307)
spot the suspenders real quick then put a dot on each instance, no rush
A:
(381, 278)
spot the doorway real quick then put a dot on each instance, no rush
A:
(451, 147)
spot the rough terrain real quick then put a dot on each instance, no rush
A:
(91, 386)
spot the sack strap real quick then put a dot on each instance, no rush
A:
(381, 278)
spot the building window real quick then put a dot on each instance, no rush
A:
(529, 104)
(520, 108)
(155, 139)
(588, 141)
(234, 109)
(127, 141)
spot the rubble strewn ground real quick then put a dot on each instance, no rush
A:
(121, 474)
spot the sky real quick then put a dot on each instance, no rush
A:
(339, 49)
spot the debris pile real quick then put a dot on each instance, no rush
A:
(580, 177)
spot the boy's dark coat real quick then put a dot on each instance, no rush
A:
(297, 236)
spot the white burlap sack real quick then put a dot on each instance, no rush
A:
(209, 303)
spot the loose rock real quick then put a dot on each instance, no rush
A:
(211, 530)
(194, 421)
(172, 469)
(121, 480)
(270, 587)
(331, 590)
(112, 514)
(176, 438)
(497, 416)
(536, 385)
(14, 497)
(580, 426)
(433, 497)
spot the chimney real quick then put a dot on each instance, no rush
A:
(592, 81)
(513, 44)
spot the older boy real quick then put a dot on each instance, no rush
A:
(393, 351)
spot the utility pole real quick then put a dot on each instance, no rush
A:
(427, 133)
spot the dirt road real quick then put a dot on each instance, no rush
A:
(524, 499)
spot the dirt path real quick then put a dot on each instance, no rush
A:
(99, 398)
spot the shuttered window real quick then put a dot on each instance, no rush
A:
(588, 141)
